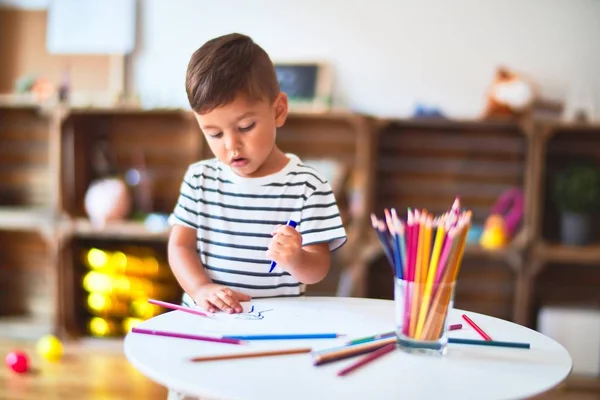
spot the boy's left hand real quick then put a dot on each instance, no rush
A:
(285, 247)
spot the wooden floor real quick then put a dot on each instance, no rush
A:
(90, 370)
(98, 370)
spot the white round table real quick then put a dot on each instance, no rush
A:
(465, 372)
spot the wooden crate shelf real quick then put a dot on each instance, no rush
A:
(165, 141)
(170, 140)
(25, 161)
(427, 163)
(558, 273)
(28, 294)
(127, 275)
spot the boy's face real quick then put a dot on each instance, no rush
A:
(242, 133)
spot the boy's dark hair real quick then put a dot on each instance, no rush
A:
(225, 67)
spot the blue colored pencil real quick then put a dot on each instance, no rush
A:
(287, 336)
(494, 343)
(396, 244)
(401, 239)
(385, 243)
(293, 224)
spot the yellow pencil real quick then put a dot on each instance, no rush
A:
(435, 256)
(425, 257)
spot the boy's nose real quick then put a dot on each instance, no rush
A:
(232, 143)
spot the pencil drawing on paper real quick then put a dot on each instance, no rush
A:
(252, 314)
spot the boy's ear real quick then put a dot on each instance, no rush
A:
(281, 109)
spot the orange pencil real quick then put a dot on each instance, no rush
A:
(266, 353)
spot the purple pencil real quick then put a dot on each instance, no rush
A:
(186, 336)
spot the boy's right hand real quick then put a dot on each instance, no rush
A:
(218, 297)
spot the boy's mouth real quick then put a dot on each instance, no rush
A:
(239, 162)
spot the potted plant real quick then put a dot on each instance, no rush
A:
(577, 196)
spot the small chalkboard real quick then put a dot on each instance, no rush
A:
(308, 85)
(298, 81)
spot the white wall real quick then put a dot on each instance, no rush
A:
(387, 54)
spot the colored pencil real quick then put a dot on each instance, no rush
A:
(267, 353)
(395, 244)
(477, 328)
(400, 228)
(371, 338)
(353, 346)
(413, 224)
(416, 285)
(443, 292)
(324, 357)
(177, 307)
(455, 327)
(389, 241)
(493, 343)
(437, 346)
(186, 336)
(382, 239)
(287, 336)
(367, 359)
(431, 272)
(293, 224)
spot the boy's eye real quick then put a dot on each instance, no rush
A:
(247, 128)
(216, 135)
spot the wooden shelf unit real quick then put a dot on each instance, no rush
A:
(395, 163)
(28, 221)
(426, 163)
(558, 273)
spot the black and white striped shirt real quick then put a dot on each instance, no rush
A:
(234, 218)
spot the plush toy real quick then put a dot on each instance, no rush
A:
(509, 96)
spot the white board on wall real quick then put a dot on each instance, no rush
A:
(91, 26)
(25, 4)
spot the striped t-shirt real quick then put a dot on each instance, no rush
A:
(234, 217)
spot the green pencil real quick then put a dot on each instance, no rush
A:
(371, 338)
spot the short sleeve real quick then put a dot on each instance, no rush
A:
(321, 221)
(185, 212)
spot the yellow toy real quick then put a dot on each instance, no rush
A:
(495, 235)
(49, 347)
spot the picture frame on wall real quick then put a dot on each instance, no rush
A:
(307, 84)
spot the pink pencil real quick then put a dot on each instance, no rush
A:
(186, 336)
(439, 272)
(367, 359)
(177, 307)
(477, 328)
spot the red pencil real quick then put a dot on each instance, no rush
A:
(478, 329)
(367, 359)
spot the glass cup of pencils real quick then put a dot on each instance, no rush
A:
(425, 253)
